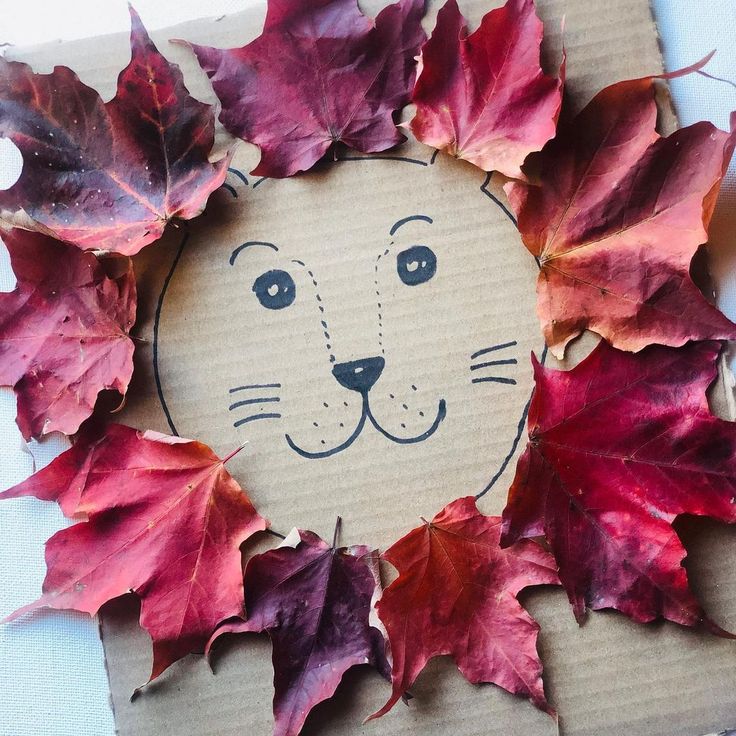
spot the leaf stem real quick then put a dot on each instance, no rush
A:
(234, 452)
(338, 525)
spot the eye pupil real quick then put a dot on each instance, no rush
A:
(275, 289)
(416, 265)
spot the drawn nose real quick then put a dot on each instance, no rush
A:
(359, 375)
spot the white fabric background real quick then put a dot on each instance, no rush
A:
(52, 675)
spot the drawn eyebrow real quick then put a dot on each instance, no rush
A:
(404, 220)
(236, 252)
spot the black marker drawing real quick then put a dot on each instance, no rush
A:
(361, 376)
(282, 288)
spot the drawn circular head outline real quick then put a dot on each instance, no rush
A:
(414, 265)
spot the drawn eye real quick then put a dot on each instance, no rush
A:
(275, 289)
(416, 265)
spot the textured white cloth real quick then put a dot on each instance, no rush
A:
(52, 675)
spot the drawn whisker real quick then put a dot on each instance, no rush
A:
(495, 379)
(493, 348)
(245, 402)
(254, 385)
(253, 417)
(508, 361)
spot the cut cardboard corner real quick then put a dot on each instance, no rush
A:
(228, 358)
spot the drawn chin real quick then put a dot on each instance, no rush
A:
(367, 417)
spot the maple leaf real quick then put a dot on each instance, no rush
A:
(456, 594)
(483, 97)
(107, 175)
(163, 519)
(615, 220)
(64, 331)
(314, 600)
(620, 446)
(321, 72)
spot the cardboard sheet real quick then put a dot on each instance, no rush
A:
(221, 363)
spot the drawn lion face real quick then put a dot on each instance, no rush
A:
(350, 326)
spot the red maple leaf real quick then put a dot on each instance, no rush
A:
(321, 72)
(620, 446)
(314, 600)
(162, 519)
(107, 175)
(64, 331)
(615, 220)
(483, 97)
(456, 594)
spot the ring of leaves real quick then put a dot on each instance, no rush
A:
(597, 199)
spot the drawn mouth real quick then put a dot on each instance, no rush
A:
(367, 416)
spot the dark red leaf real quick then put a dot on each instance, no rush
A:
(315, 602)
(64, 331)
(321, 72)
(107, 175)
(615, 221)
(456, 594)
(620, 446)
(483, 97)
(163, 519)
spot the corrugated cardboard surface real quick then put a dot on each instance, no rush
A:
(331, 231)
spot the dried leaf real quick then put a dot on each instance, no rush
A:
(163, 519)
(483, 97)
(456, 594)
(107, 176)
(321, 72)
(63, 331)
(620, 446)
(314, 600)
(616, 218)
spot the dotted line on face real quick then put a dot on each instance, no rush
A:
(378, 301)
(320, 306)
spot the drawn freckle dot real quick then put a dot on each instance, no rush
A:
(322, 442)
(404, 406)
(315, 424)
(344, 403)
(326, 405)
(341, 424)
(403, 426)
(391, 396)
(413, 387)
(421, 413)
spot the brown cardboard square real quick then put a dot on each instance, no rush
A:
(338, 233)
